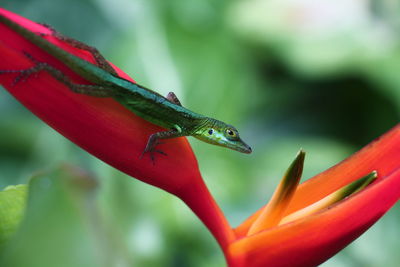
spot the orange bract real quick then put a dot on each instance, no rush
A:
(311, 240)
(382, 155)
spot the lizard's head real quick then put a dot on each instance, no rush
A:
(219, 133)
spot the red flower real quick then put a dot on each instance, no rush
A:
(107, 130)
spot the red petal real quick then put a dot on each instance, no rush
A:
(313, 239)
(382, 155)
(103, 127)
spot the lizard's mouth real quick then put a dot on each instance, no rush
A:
(247, 150)
(244, 148)
(220, 140)
(239, 146)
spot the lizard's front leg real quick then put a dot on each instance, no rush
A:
(154, 141)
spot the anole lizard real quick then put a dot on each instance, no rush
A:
(166, 112)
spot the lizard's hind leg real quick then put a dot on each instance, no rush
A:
(101, 62)
(88, 89)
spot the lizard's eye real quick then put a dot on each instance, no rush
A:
(210, 132)
(231, 133)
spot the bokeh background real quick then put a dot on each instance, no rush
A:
(319, 75)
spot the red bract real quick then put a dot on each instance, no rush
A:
(102, 126)
(107, 130)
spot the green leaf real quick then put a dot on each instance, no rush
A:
(12, 207)
(62, 225)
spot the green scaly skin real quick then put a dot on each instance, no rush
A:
(166, 112)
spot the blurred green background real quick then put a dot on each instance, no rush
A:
(318, 75)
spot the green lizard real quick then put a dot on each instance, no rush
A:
(166, 112)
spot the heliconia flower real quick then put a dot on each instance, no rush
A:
(303, 225)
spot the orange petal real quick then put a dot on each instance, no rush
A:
(273, 212)
(331, 199)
